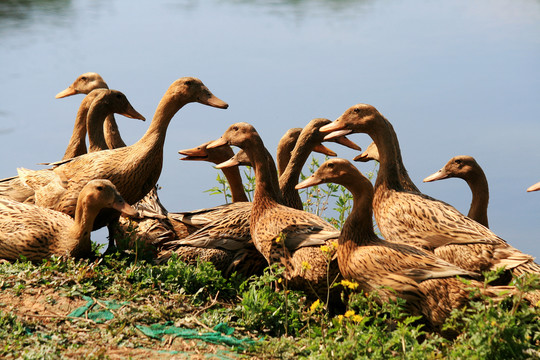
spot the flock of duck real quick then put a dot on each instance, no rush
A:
(427, 243)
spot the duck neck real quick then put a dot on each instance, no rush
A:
(480, 197)
(94, 123)
(289, 178)
(77, 143)
(358, 228)
(391, 164)
(112, 134)
(155, 135)
(79, 233)
(266, 181)
(235, 183)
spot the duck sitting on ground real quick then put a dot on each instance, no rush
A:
(36, 233)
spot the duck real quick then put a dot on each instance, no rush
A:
(85, 84)
(466, 167)
(36, 233)
(372, 153)
(414, 218)
(429, 284)
(134, 169)
(149, 225)
(280, 233)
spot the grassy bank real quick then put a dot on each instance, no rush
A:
(183, 304)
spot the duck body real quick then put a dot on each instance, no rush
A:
(37, 233)
(413, 218)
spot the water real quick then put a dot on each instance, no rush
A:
(455, 77)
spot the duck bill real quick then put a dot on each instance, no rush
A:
(439, 175)
(343, 140)
(227, 164)
(310, 181)
(132, 114)
(217, 143)
(320, 148)
(363, 157)
(121, 205)
(333, 126)
(213, 101)
(67, 92)
(336, 134)
(197, 153)
(534, 187)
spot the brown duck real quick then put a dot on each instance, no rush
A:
(427, 283)
(280, 233)
(38, 233)
(466, 168)
(413, 218)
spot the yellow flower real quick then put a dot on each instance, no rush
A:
(357, 318)
(349, 284)
(349, 313)
(279, 281)
(325, 249)
(306, 265)
(340, 318)
(335, 244)
(314, 306)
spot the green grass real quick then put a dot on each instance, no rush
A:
(198, 297)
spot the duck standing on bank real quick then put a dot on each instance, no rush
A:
(280, 233)
(411, 217)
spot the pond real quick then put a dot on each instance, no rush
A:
(454, 78)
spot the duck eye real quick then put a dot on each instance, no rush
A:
(458, 161)
(356, 110)
(235, 128)
(100, 188)
(189, 82)
(331, 165)
(118, 96)
(84, 78)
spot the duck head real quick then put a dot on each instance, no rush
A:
(83, 85)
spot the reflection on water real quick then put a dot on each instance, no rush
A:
(17, 13)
